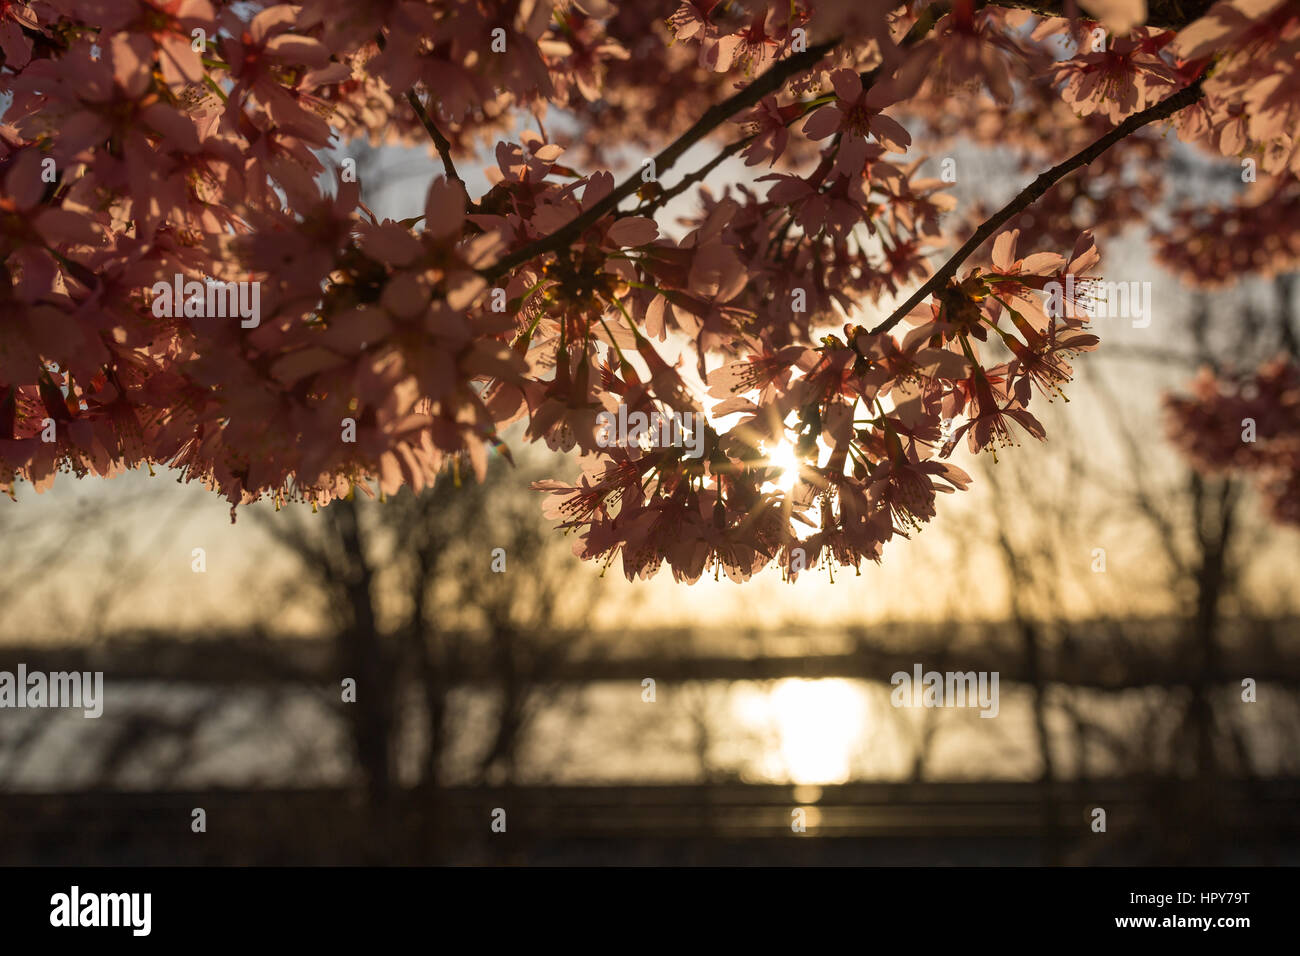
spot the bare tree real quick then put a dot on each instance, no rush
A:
(464, 584)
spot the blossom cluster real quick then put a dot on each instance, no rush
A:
(149, 139)
(1247, 422)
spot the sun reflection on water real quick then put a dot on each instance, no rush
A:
(817, 727)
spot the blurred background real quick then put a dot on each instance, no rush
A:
(1121, 597)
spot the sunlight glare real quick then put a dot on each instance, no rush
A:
(782, 457)
(819, 723)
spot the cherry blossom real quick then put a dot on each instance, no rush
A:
(836, 307)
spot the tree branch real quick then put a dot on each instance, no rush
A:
(927, 19)
(439, 141)
(690, 179)
(713, 117)
(1045, 181)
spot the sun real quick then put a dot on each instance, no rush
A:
(783, 458)
(819, 726)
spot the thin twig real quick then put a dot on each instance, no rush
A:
(713, 117)
(692, 178)
(931, 15)
(439, 141)
(1044, 182)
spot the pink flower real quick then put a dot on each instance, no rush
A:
(1015, 283)
(1119, 81)
(259, 54)
(855, 114)
(769, 125)
(753, 48)
(15, 44)
(994, 409)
